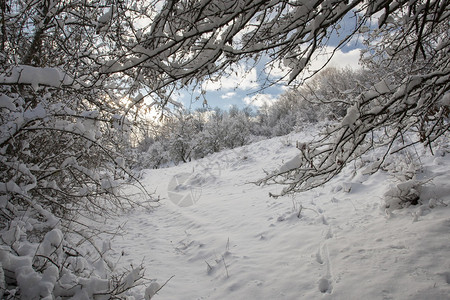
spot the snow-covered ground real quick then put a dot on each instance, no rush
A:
(222, 237)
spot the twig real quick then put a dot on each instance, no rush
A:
(164, 284)
(226, 268)
(299, 211)
(209, 266)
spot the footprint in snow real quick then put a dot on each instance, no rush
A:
(325, 285)
(319, 258)
(329, 234)
(323, 258)
(446, 277)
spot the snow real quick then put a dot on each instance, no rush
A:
(131, 278)
(52, 241)
(445, 101)
(35, 76)
(7, 102)
(291, 164)
(106, 17)
(351, 116)
(151, 290)
(36, 113)
(382, 87)
(232, 241)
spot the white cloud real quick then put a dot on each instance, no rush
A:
(342, 59)
(275, 69)
(228, 95)
(259, 100)
(240, 78)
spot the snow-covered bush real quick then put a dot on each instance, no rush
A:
(405, 168)
(59, 169)
(61, 153)
(56, 267)
(186, 135)
(403, 194)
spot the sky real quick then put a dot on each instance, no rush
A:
(243, 88)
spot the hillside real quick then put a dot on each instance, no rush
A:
(222, 237)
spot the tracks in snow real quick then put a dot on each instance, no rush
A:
(325, 283)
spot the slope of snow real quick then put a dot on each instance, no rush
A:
(222, 237)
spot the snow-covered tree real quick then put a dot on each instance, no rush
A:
(237, 126)
(185, 135)
(193, 40)
(325, 97)
(332, 91)
(407, 54)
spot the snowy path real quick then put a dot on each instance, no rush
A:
(234, 242)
